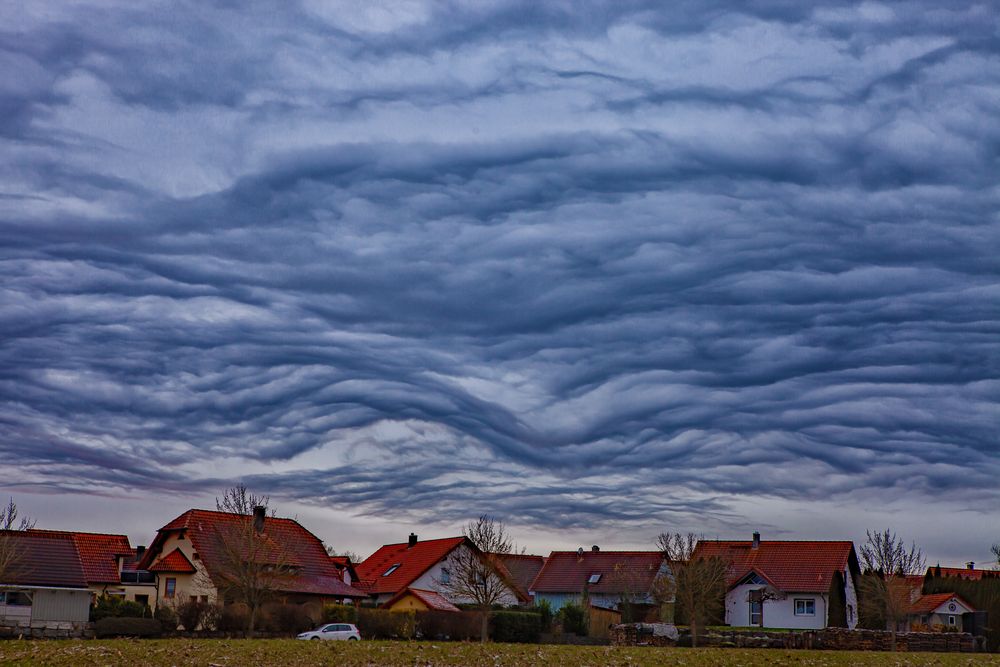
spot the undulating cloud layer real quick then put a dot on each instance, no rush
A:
(571, 263)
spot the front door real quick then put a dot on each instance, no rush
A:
(757, 613)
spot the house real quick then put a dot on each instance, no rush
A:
(424, 565)
(346, 569)
(46, 587)
(523, 569)
(969, 572)
(779, 584)
(606, 578)
(188, 557)
(938, 611)
(105, 558)
(416, 599)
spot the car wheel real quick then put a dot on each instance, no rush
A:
(314, 639)
(352, 639)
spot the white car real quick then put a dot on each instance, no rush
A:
(333, 631)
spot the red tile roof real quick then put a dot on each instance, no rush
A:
(961, 572)
(523, 568)
(413, 562)
(432, 599)
(175, 561)
(926, 604)
(99, 553)
(284, 539)
(568, 571)
(801, 567)
(344, 564)
(46, 558)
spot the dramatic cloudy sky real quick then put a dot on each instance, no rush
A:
(598, 269)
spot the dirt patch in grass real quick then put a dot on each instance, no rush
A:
(278, 652)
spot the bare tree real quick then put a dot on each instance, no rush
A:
(476, 574)
(996, 554)
(246, 564)
(698, 584)
(346, 553)
(884, 589)
(763, 595)
(633, 588)
(240, 500)
(11, 521)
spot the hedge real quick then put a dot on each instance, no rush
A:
(385, 624)
(516, 626)
(574, 619)
(456, 626)
(290, 618)
(339, 613)
(124, 626)
(117, 606)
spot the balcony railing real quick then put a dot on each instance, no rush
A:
(138, 577)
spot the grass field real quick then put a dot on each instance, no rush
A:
(267, 652)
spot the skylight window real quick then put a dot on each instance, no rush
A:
(594, 578)
(391, 570)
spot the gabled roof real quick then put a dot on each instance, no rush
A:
(282, 539)
(412, 563)
(801, 567)
(432, 599)
(523, 569)
(175, 561)
(344, 564)
(620, 571)
(99, 553)
(926, 604)
(45, 558)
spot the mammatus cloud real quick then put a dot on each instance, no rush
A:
(564, 263)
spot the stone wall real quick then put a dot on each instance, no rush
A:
(829, 639)
(48, 631)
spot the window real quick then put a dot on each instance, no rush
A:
(195, 556)
(143, 600)
(193, 598)
(951, 620)
(204, 599)
(756, 613)
(170, 587)
(391, 570)
(850, 613)
(594, 578)
(805, 607)
(15, 599)
(445, 575)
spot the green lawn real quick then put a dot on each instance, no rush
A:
(267, 652)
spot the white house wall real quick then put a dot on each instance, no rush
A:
(49, 606)
(851, 600)
(187, 584)
(777, 613)
(431, 581)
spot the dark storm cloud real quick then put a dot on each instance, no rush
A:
(572, 263)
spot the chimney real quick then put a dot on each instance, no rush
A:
(258, 518)
(140, 551)
(595, 548)
(756, 540)
(971, 565)
(579, 554)
(413, 541)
